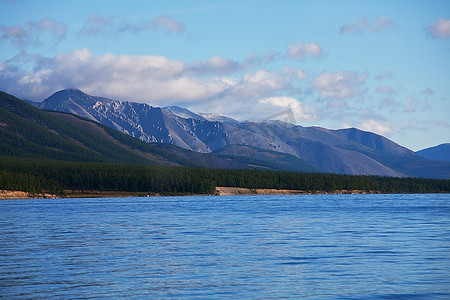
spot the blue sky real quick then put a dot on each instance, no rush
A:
(381, 66)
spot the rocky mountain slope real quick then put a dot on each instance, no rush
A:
(27, 132)
(345, 151)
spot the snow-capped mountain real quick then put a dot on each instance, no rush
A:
(345, 151)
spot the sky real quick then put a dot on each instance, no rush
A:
(380, 66)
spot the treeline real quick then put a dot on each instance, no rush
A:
(254, 179)
(15, 181)
(55, 177)
(82, 177)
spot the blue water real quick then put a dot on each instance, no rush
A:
(310, 246)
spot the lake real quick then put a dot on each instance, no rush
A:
(310, 246)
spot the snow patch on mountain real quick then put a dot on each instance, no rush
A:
(347, 151)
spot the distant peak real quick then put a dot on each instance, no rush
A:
(70, 91)
(65, 95)
(74, 90)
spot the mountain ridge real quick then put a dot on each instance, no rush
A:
(30, 133)
(27, 132)
(344, 151)
(440, 152)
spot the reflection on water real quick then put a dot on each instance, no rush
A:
(320, 246)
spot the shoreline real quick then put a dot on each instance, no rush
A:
(219, 191)
(235, 191)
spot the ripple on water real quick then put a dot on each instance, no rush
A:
(320, 246)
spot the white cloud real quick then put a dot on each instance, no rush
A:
(46, 31)
(414, 104)
(147, 78)
(239, 98)
(266, 79)
(167, 23)
(375, 126)
(213, 84)
(300, 50)
(77, 56)
(299, 74)
(151, 78)
(384, 89)
(439, 29)
(215, 65)
(242, 98)
(389, 103)
(340, 85)
(294, 73)
(253, 59)
(218, 62)
(293, 109)
(410, 105)
(387, 75)
(364, 25)
(98, 25)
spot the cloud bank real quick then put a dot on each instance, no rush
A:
(216, 84)
(153, 78)
(156, 80)
(340, 85)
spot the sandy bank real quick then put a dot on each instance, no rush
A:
(4, 195)
(13, 195)
(230, 191)
(220, 191)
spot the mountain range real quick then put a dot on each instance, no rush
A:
(29, 133)
(266, 144)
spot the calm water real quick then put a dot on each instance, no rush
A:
(317, 246)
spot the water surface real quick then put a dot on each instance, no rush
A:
(317, 246)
